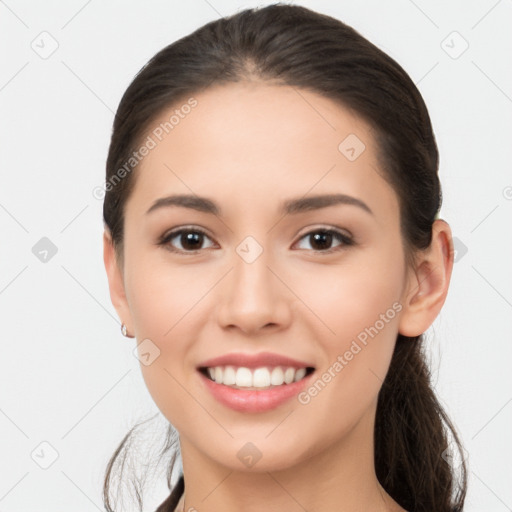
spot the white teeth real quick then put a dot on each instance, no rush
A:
(277, 377)
(299, 374)
(243, 377)
(229, 378)
(289, 374)
(262, 377)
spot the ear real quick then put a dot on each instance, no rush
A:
(428, 283)
(116, 281)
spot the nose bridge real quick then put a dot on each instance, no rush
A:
(253, 296)
(252, 280)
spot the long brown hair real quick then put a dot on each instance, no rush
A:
(295, 46)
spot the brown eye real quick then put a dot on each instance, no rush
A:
(321, 240)
(184, 240)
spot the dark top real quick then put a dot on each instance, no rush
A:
(169, 505)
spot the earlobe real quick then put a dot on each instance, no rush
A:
(115, 281)
(427, 286)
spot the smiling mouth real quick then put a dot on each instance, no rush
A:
(265, 377)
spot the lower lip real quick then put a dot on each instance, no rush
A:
(251, 400)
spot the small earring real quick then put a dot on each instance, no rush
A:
(124, 330)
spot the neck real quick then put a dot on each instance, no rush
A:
(340, 478)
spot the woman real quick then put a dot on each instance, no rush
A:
(272, 241)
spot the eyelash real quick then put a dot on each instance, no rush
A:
(345, 240)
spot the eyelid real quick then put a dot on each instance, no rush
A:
(326, 227)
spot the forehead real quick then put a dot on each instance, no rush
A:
(255, 142)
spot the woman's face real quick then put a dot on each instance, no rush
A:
(265, 277)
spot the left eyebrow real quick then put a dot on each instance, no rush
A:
(289, 207)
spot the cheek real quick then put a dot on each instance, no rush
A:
(349, 297)
(359, 310)
(162, 296)
(162, 303)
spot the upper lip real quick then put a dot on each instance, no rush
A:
(258, 360)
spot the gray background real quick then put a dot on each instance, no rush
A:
(69, 379)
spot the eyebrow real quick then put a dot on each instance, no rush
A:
(289, 207)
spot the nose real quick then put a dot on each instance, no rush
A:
(254, 297)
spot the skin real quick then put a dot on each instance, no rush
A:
(249, 146)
